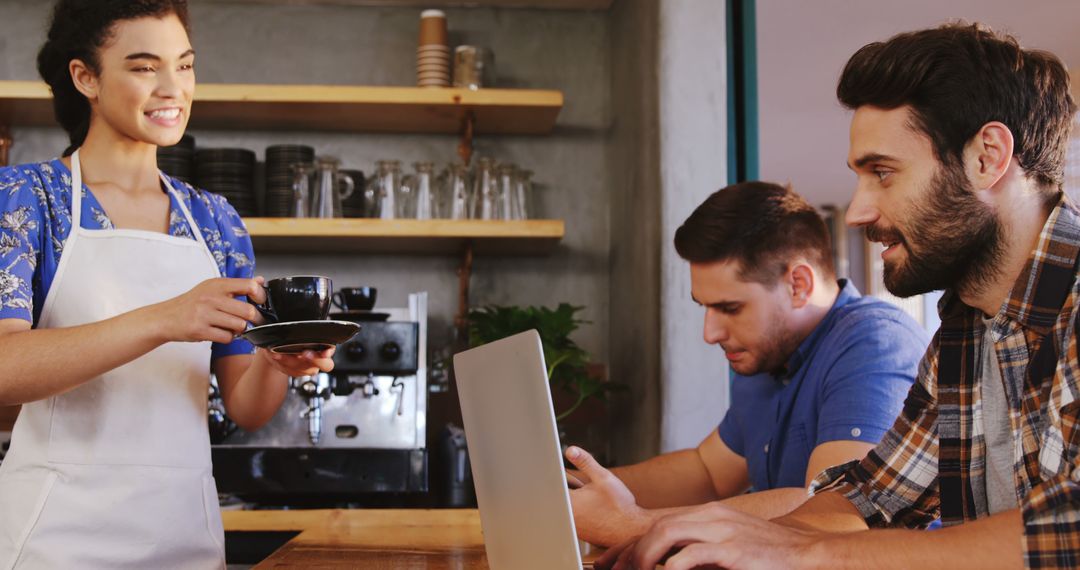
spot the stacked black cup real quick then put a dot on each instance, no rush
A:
(229, 172)
(178, 160)
(279, 176)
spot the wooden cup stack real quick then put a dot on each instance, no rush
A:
(433, 54)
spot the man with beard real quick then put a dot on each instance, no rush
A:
(958, 141)
(820, 371)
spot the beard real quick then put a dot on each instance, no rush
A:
(777, 345)
(952, 241)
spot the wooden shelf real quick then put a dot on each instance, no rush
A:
(331, 108)
(358, 109)
(290, 235)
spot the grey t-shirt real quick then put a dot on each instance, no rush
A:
(1000, 487)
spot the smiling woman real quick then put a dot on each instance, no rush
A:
(82, 32)
(118, 297)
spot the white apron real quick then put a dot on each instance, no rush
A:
(116, 472)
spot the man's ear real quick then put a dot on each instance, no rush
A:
(988, 154)
(85, 80)
(800, 284)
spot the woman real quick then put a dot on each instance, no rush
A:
(116, 303)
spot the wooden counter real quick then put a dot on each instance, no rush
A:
(370, 538)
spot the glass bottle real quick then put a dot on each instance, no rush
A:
(524, 208)
(300, 206)
(330, 187)
(384, 189)
(506, 208)
(417, 198)
(485, 190)
(454, 191)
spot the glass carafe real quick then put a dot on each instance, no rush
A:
(330, 187)
(417, 196)
(523, 195)
(385, 188)
(302, 182)
(485, 192)
(506, 207)
(453, 193)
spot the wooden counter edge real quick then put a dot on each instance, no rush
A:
(314, 525)
(302, 520)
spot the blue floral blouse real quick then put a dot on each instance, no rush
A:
(35, 220)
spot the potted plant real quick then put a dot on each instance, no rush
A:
(567, 363)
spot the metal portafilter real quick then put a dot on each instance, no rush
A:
(314, 392)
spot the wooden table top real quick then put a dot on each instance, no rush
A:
(371, 538)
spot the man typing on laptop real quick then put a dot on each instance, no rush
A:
(820, 372)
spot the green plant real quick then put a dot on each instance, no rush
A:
(566, 361)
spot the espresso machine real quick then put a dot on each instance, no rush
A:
(355, 435)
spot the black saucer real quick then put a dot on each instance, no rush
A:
(360, 316)
(298, 336)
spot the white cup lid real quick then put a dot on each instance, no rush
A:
(433, 14)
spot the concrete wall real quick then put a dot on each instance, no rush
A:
(636, 233)
(280, 43)
(693, 150)
(668, 153)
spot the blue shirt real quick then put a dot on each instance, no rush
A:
(846, 381)
(35, 220)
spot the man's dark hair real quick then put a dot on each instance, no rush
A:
(760, 225)
(957, 78)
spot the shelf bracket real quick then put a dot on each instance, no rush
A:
(465, 147)
(464, 275)
(5, 144)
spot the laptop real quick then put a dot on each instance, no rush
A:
(516, 460)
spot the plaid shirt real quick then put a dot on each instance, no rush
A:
(933, 461)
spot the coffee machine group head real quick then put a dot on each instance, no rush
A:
(381, 348)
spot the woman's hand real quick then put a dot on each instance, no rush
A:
(209, 312)
(306, 363)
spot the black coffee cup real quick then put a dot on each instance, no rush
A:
(355, 298)
(301, 298)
